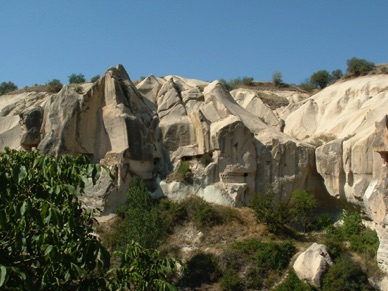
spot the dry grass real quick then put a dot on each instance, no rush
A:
(186, 240)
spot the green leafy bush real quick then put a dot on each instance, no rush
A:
(267, 260)
(231, 280)
(142, 269)
(293, 283)
(248, 81)
(141, 220)
(366, 243)
(201, 213)
(76, 79)
(54, 85)
(322, 221)
(302, 207)
(359, 67)
(269, 209)
(362, 240)
(46, 239)
(336, 75)
(320, 79)
(6, 87)
(206, 159)
(345, 275)
(46, 236)
(183, 173)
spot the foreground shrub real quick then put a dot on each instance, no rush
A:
(142, 269)
(46, 240)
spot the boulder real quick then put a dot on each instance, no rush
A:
(312, 264)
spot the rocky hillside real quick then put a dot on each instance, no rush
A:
(184, 136)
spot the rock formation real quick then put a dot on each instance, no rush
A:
(312, 264)
(148, 130)
(326, 144)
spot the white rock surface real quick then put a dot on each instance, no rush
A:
(312, 264)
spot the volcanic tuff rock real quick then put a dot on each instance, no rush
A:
(347, 121)
(148, 130)
(312, 264)
(326, 143)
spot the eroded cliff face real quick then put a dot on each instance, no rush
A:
(328, 144)
(148, 130)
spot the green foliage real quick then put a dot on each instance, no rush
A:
(183, 173)
(292, 282)
(269, 209)
(345, 275)
(366, 243)
(247, 81)
(359, 67)
(201, 268)
(231, 280)
(201, 213)
(322, 221)
(141, 220)
(277, 78)
(206, 159)
(6, 87)
(266, 260)
(320, 79)
(236, 83)
(142, 269)
(352, 223)
(76, 79)
(336, 75)
(302, 207)
(362, 240)
(171, 213)
(54, 85)
(226, 84)
(46, 239)
(94, 78)
(334, 242)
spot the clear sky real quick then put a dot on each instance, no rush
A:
(207, 40)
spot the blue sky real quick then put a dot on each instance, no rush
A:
(207, 40)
